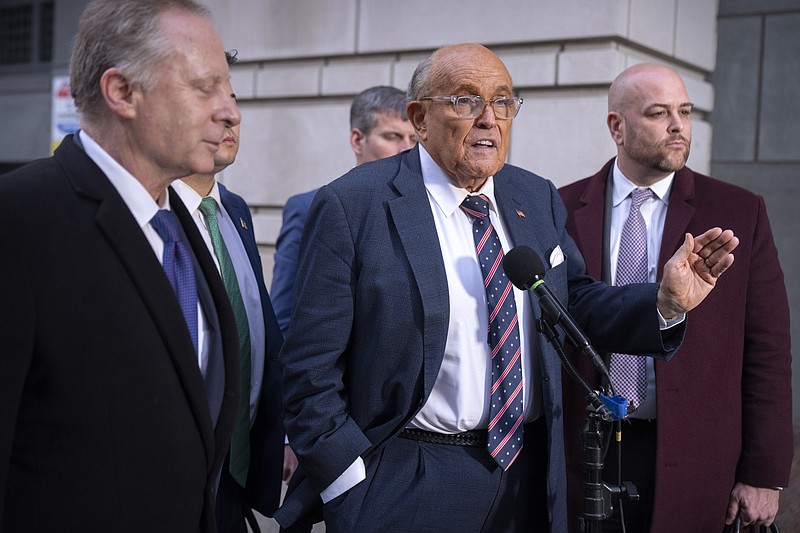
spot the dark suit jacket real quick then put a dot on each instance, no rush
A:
(287, 249)
(724, 403)
(104, 422)
(267, 436)
(369, 329)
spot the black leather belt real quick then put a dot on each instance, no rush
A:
(475, 438)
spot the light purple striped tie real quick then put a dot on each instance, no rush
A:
(505, 400)
(629, 372)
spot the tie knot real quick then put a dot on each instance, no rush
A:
(476, 206)
(640, 196)
(208, 206)
(166, 225)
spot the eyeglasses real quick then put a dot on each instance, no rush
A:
(504, 107)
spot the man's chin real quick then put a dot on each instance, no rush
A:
(673, 163)
(221, 163)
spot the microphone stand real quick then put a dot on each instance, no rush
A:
(598, 496)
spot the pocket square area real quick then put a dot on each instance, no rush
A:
(556, 257)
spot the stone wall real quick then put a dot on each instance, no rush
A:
(301, 62)
(756, 123)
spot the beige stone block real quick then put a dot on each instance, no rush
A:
(590, 64)
(267, 265)
(264, 30)
(700, 91)
(289, 147)
(352, 76)
(700, 156)
(531, 67)
(388, 25)
(569, 19)
(562, 135)
(652, 24)
(243, 80)
(267, 225)
(301, 78)
(403, 69)
(696, 32)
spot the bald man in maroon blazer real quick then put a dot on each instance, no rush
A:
(720, 434)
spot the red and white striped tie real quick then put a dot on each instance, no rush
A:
(506, 410)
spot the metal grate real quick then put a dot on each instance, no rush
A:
(46, 32)
(16, 31)
(26, 34)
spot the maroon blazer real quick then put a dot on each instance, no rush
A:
(724, 401)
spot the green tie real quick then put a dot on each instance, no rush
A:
(240, 443)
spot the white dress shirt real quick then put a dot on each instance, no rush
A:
(459, 399)
(248, 286)
(143, 208)
(654, 212)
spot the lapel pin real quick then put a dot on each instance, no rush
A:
(243, 223)
(520, 214)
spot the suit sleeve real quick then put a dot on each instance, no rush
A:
(17, 326)
(324, 436)
(766, 374)
(284, 272)
(617, 319)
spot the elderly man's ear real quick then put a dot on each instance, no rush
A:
(416, 114)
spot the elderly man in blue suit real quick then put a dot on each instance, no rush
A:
(419, 395)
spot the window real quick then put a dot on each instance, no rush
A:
(26, 34)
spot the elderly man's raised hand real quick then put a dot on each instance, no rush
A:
(693, 270)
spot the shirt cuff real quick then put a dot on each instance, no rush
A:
(663, 323)
(355, 474)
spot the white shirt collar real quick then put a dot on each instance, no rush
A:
(444, 193)
(622, 186)
(191, 198)
(133, 193)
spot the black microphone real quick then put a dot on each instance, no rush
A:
(526, 271)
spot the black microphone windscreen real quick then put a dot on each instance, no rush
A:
(523, 267)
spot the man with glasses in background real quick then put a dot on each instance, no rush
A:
(418, 395)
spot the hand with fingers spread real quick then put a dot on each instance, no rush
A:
(693, 270)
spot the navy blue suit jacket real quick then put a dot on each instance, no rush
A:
(267, 435)
(287, 249)
(372, 289)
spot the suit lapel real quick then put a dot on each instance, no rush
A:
(240, 215)
(245, 231)
(590, 223)
(679, 214)
(136, 256)
(521, 213)
(225, 324)
(413, 219)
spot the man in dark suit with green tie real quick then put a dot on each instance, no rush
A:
(251, 476)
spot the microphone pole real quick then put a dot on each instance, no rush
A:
(596, 495)
(526, 271)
